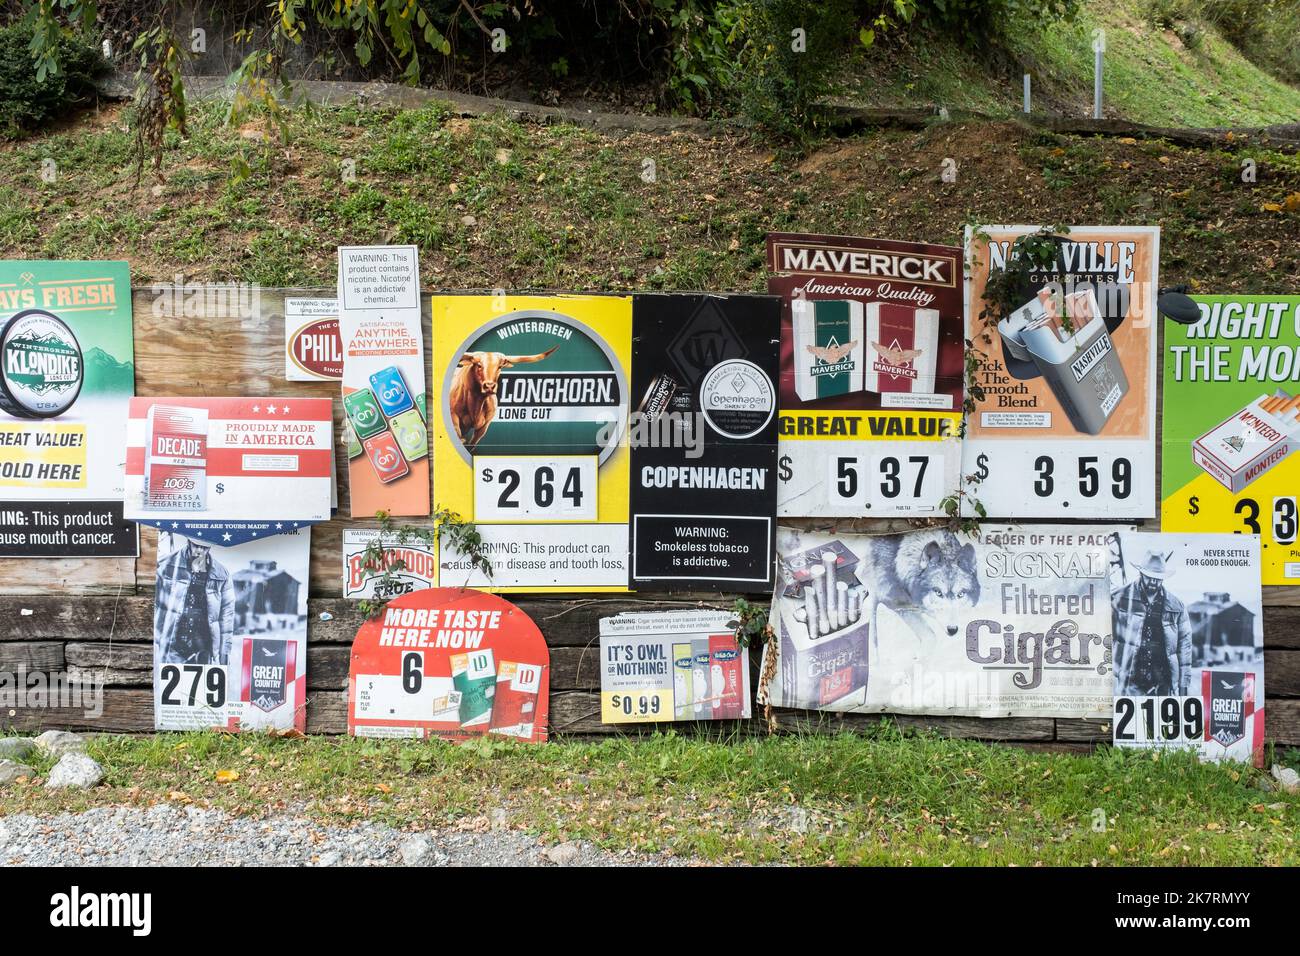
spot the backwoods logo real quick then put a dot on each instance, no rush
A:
(410, 569)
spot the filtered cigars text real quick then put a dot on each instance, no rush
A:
(76, 909)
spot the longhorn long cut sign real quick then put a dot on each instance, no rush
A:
(1015, 623)
(227, 469)
(1064, 422)
(1232, 425)
(871, 374)
(385, 429)
(1189, 644)
(451, 663)
(703, 439)
(67, 371)
(528, 437)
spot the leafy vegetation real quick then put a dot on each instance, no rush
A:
(881, 798)
(30, 98)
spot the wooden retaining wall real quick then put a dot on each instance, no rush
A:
(95, 616)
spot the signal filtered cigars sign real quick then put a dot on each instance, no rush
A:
(703, 440)
(313, 351)
(1066, 422)
(67, 371)
(1232, 425)
(1015, 623)
(871, 374)
(528, 436)
(209, 461)
(230, 633)
(403, 564)
(672, 665)
(450, 663)
(1189, 644)
(385, 431)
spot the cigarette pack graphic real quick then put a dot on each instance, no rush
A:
(683, 666)
(176, 458)
(823, 629)
(902, 344)
(1080, 365)
(725, 675)
(474, 675)
(1237, 451)
(828, 347)
(514, 709)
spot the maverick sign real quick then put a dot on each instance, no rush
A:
(703, 441)
(871, 374)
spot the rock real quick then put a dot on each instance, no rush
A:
(10, 771)
(566, 854)
(329, 859)
(56, 743)
(75, 770)
(1286, 778)
(16, 748)
(415, 850)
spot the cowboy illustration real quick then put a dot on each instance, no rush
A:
(1153, 634)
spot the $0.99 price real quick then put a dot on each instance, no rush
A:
(649, 705)
(517, 488)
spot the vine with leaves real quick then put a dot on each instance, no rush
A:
(380, 567)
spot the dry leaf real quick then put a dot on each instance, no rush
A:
(1271, 207)
(1292, 203)
(227, 776)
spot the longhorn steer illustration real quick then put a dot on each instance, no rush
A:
(473, 398)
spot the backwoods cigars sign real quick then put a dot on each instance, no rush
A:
(871, 374)
(1016, 623)
(403, 566)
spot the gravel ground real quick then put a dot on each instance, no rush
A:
(190, 836)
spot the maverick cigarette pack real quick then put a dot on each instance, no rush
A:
(823, 628)
(176, 458)
(828, 347)
(902, 345)
(1078, 361)
(1237, 451)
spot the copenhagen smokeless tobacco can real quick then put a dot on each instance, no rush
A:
(41, 367)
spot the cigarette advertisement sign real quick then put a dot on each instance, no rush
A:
(404, 564)
(528, 437)
(703, 441)
(1013, 624)
(1232, 425)
(871, 374)
(1066, 422)
(672, 665)
(384, 394)
(449, 663)
(200, 463)
(313, 351)
(230, 633)
(1189, 644)
(67, 371)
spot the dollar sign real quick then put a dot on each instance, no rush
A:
(982, 467)
(786, 473)
(221, 488)
(487, 474)
(1193, 505)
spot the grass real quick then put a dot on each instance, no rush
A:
(494, 203)
(1150, 74)
(882, 798)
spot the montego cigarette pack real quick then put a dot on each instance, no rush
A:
(1237, 451)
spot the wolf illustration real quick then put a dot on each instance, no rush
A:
(928, 578)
